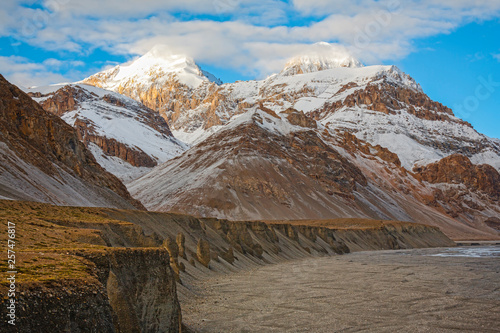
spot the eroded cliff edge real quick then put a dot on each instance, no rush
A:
(111, 270)
(112, 290)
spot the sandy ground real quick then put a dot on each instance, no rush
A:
(383, 291)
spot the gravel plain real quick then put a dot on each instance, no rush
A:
(422, 290)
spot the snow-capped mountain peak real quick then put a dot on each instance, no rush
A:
(155, 67)
(160, 58)
(320, 56)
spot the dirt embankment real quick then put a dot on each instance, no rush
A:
(110, 270)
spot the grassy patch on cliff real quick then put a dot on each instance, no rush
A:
(40, 232)
(48, 266)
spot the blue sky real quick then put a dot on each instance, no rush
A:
(451, 67)
(449, 46)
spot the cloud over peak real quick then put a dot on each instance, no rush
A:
(254, 37)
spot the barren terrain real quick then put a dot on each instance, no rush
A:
(383, 291)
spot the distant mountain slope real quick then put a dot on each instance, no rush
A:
(41, 158)
(264, 165)
(127, 138)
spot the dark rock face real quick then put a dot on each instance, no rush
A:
(48, 143)
(458, 169)
(62, 306)
(131, 290)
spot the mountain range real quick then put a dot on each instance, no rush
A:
(324, 138)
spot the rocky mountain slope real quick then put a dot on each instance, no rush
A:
(126, 138)
(42, 159)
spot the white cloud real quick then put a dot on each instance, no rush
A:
(496, 56)
(255, 39)
(22, 72)
(432, 9)
(56, 64)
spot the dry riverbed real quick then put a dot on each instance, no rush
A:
(424, 290)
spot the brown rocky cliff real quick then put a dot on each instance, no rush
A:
(281, 174)
(141, 288)
(65, 99)
(123, 290)
(298, 118)
(458, 169)
(352, 144)
(44, 140)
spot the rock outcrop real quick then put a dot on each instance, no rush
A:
(203, 252)
(458, 169)
(462, 189)
(298, 118)
(181, 244)
(493, 222)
